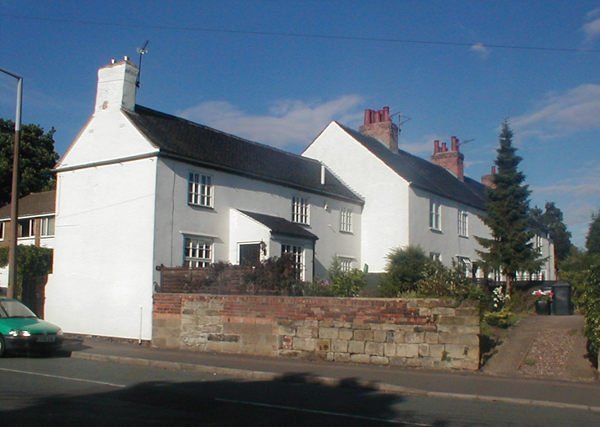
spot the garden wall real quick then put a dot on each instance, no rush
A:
(429, 333)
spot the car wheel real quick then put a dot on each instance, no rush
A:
(2, 346)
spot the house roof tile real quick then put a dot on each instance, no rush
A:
(193, 142)
(423, 174)
(282, 226)
(32, 205)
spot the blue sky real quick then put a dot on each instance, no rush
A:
(278, 71)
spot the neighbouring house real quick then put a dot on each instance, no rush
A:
(410, 201)
(138, 189)
(36, 219)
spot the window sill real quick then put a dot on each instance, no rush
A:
(201, 207)
(435, 230)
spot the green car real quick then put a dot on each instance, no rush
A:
(22, 330)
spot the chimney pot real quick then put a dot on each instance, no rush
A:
(455, 144)
(377, 124)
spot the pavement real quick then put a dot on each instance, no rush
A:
(503, 380)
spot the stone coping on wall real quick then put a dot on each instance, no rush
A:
(429, 333)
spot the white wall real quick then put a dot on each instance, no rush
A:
(109, 135)
(174, 217)
(384, 220)
(102, 279)
(446, 242)
(244, 230)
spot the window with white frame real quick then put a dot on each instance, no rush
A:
(463, 223)
(47, 226)
(200, 190)
(538, 242)
(346, 220)
(197, 252)
(466, 264)
(435, 215)
(435, 256)
(345, 263)
(297, 254)
(2, 230)
(300, 210)
(26, 228)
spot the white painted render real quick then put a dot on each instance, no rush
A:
(102, 279)
(384, 219)
(447, 242)
(175, 218)
(108, 136)
(396, 214)
(248, 231)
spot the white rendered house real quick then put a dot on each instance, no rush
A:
(408, 200)
(139, 188)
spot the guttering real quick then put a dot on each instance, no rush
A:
(106, 162)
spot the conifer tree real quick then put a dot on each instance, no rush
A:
(592, 240)
(509, 249)
(561, 237)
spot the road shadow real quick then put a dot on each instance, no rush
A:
(291, 400)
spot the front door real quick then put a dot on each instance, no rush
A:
(250, 254)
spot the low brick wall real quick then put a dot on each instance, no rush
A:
(430, 333)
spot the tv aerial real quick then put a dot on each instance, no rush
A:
(141, 51)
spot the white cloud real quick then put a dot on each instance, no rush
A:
(288, 122)
(480, 49)
(562, 114)
(592, 27)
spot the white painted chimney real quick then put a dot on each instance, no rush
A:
(116, 86)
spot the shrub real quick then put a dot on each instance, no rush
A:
(404, 269)
(33, 265)
(502, 319)
(590, 305)
(275, 275)
(345, 283)
(440, 281)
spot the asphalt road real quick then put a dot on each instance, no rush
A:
(61, 391)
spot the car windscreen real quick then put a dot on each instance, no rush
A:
(12, 308)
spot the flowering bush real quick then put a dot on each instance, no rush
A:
(542, 295)
(499, 298)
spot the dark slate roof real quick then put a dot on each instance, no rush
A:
(33, 204)
(192, 142)
(279, 225)
(423, 174)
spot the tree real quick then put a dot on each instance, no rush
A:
(37, 158)
(33, 266)
(510, 249)
(592, 240)
(561, 237)
(550, 221)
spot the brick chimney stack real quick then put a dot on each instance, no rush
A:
(488, 180)
(451, 160)
(379, 125)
